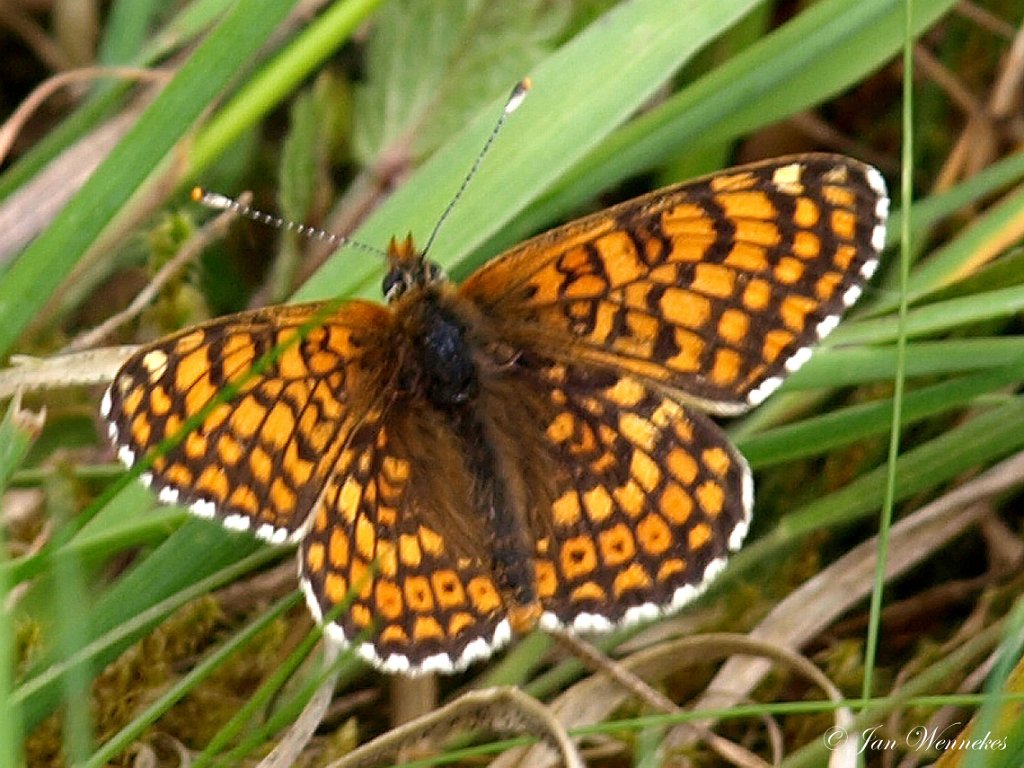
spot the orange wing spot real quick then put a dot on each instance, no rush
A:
(688, 222)
(711, 498)
(788, 270)
(214, 482)
(794, 311)
(775, 342)
(547, 578)
(588, 590)
(561, 427)
(387, 558)
(700, 535)
(757, 232)
(348, 502)
(756, 295)
(666, 413)
(228, 450)
(190, 342)
(621, 260)
(427, 628)
(627, 392)
(409, 551)
(727, 366)
(633, 577)
(642, 327)
(598, 503)
(806, 214)
(366, 538)
(749, 258)
(189, 370)
(290, 364)
(339, 548)
(670, 567)
(216, 418)
(844, 224)
(682, 307)
(676, 504)
(733, 326)
(299, 470)
(585, 287)
(335, 587)
(315, 557)
(566, 509)
(395, 470)
(279, 426)
(459, 622)
(653, 534)
(826, 286)
(689, 247)
(179, 475)
(644, 470)
(523, 618)
(604, 321)
(141, 430)
(717, 460)
(841, 197)
(723, 182)
(747, 205)
(578, 557)
(133, 399)
(806, 245)
(418, 595)
(630, 498)
(261, 465)
(431, 542)
(665, 274)
(638, 430)
(199, 394)
(321, 363)
(361, 616)
(616, 545)
(389, 600)
(393, 633)
(159, 402)
(362, 578)
(247, 417)
(714, 280)
(483, 596)
(845, 254)
(282, 496)
(691, 348)
(682, 466)
(448, 589)
(245, 499)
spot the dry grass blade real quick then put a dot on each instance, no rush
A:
(504, 709)
(812, 607)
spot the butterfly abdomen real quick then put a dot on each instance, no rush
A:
(447, 377)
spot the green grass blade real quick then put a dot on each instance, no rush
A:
(32, 279)
(580, 94)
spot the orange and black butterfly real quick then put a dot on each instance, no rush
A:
(531, 447)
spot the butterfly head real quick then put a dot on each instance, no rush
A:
(408, 269)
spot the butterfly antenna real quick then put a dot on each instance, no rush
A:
(220, 202)
(511, 105)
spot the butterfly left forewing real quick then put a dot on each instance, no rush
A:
(256, 458)
(714, 289)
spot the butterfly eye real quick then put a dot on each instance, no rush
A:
(396, 282)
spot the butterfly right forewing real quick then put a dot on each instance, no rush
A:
(715, 289)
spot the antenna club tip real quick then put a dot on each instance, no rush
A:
(518, 95)
(197, 194)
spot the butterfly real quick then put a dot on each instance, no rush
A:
(533, 447)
